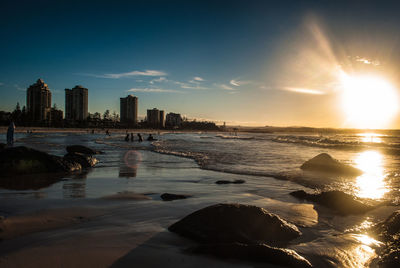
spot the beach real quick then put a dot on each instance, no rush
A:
(113, 214)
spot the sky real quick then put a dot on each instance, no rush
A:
(241, 62)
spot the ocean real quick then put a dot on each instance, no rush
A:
(269, 163)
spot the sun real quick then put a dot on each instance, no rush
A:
(368, 101)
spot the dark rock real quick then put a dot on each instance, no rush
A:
(254, 252)
(326, 163)
(228, 182)
(23, 160)
(388, 231)
(170, 197)
(84, 160)
(229, 223)
(82, 150)
(338, 201)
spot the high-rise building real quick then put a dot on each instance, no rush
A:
(38, 101)
(155, 118)
(76, 103)
(173, 120)
(129, 110)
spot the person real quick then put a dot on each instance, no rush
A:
(150, 138)
(132, 137)
(10, 134)
(108, 133)
(127, 137)
(140, 137)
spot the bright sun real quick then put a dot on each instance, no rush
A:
(368, 101)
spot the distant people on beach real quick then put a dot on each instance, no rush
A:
(127, 137)
(140, 137)
(10, 134)
(108, 133)
(150, 138)
(132, 137)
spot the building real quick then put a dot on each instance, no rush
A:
(76, 103)
(129, 110)
(155, 118)
(38, 102)
(173, 120)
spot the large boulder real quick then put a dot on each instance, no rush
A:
(229, 223)
(338, 201)
(23, 160)
(84, 160)
(327, 164)
(82, 150)
(254, 253)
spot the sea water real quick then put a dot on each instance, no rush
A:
(191, 163)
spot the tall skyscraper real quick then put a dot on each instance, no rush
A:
(76, 103)
(155, 118)
(129, 110)
(38, 101)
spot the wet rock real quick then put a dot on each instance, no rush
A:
(228, 182)
(326, 163)
(229, 223)
(84, 160)
(254, 253)
(338, 201)
(23, 160)
(388, 231)
(82, 150)
(170, 197)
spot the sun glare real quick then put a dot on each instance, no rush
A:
(368, 101)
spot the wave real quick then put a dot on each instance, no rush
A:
(231, 137)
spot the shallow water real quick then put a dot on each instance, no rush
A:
(192, 163)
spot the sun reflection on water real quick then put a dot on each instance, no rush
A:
(371, 137)
(371, 184)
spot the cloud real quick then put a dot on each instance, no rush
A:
(19, 88)
(154, 90)
(1, 84)
(129, 74)
(197, 78)
(304, 90)
(234, 83)
(225, 87)
(189, 86)
(158, 80)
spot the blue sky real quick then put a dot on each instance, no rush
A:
(244, 62)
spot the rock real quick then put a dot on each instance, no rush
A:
(338, 201)
(23, 160)
(82, 150)
(227, 182)
(84, 160)
(2, 146)
(326, 163)
(388, 231)
(254, 252)
(170, 197)
(229, 223)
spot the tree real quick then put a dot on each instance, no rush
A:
(106, 115)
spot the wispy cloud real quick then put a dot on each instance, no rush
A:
(198, 78)
(128, 74)
(189, 86)
(234, 83)
(304, 90)
(225, 87)
(158, 80)
(154, 90)
(19, 88)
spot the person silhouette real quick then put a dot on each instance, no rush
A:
(10, 134)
